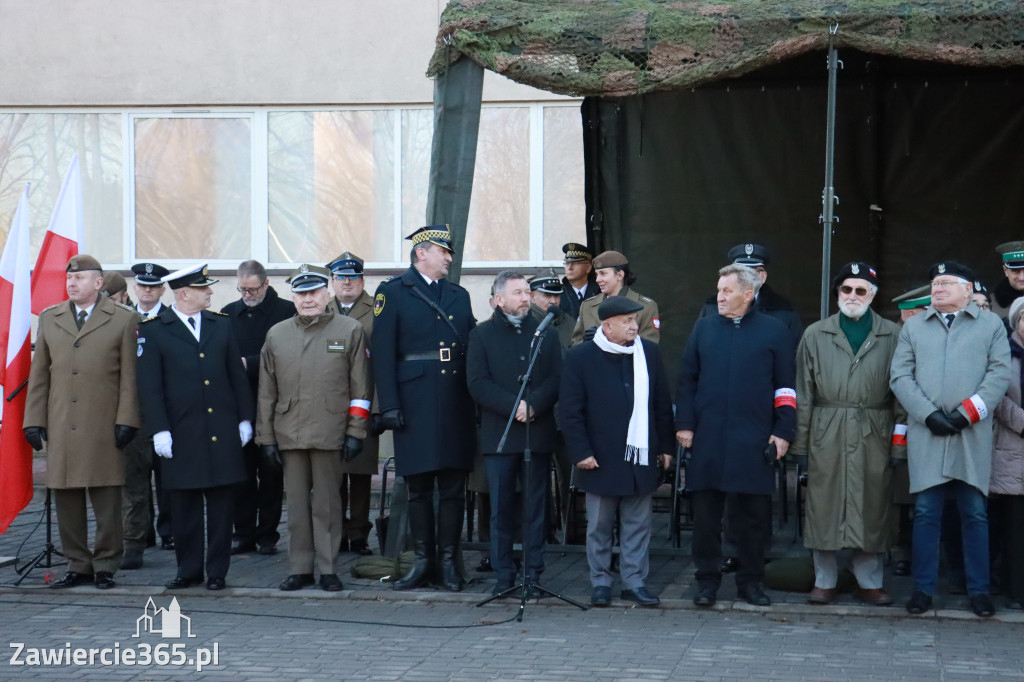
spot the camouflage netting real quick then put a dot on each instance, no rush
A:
(626, 47)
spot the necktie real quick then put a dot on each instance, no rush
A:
(949, 319)
(579, 294)
(80, 320)
(345, 311)
(192, 321)
(435, 290)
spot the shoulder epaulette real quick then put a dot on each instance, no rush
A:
(149, 319)
(125, 307)
(55, 305)
(645, 299)
(215, 312)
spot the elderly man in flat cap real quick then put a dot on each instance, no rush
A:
(848, 438)
(614, 278)
(314, 408)
(420, 330)
(197, 404)
(578, 284)
(616, 414)
(950, 371)
(82, 402)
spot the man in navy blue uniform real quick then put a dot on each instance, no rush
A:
(420, 331)
(736, 410)
(499, 355)
(197, 405)
(579, 282)
(616, 416)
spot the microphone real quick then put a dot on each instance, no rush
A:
(553, 312)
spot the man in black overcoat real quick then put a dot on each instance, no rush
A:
(197, 405)
(420, 330)
(258, 499)
(617, 439)
(736, 409)
(499, 356)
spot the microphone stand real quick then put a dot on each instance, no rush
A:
(528, 584)
(46, 555)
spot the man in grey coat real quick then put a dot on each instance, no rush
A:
(950, 370)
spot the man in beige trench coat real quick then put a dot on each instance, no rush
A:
(846, 429)
(82, 400)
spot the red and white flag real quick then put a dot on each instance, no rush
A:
(63, 239)
(16, 354)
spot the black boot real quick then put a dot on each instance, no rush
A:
(450, 578)
(421, 527)
(449, 533)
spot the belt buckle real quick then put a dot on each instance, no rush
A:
(446, 354)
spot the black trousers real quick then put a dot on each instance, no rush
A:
(451, 492)
(750, 517)
(1009, 512)
(164, 528)
(258, 500)
(187, 507)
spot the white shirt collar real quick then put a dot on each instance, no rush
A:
(198, 317)
(88, 311)
(427, 279)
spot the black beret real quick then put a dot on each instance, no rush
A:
(858, 270)
(951, 267)
(617, 305)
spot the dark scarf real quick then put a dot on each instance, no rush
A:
(856, 331)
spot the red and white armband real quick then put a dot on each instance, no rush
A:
(785, 397)
(359, 408)
(899, 434)
(976, 410)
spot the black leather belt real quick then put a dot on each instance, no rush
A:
(442, 355)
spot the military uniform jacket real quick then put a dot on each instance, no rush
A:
(499, 353)
(315, 383)
(735, 391)
(571, 302)
(366, 462)
(562, 325)
(595, 403)
(251, 326)
(939, 368)
(647, 319)
(846, 416)
(198, 391)
(431, 392)
(81, 384)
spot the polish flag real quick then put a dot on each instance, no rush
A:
(16, 354)
(62, 241)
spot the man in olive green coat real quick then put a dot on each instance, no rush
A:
(846, 417)
(82, 400)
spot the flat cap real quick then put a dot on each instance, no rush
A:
(83, 262)
(1012, 254)
(114, 283)
(610, 259)
(749, 254)
(951, 267)
(918, 297)
(309, 277)
(346, 264)
(149, 274)
(576, 252)
(617, 305)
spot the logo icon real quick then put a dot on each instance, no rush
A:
(748, 249)
(164, 622)
(855, 269)
(149, 268)
(942, 267)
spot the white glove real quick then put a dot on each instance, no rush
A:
(245, 431)
(162, 444)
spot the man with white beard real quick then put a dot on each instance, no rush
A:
(848, 437)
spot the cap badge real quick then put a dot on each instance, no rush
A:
(303, 268)
(204, 271)
(942, 268)
(74, 263)
(748, 249)
(855, 269)
(149, 268)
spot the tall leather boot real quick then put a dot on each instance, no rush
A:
(421, 527)
(449, 534)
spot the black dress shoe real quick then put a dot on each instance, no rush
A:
(919, 603)
(72, 578)
(1015, 604)
(181, 583)
(534, 592)
(754, 595)
(331, 583)
(361, 547)
(216, 584)
(601, 596)
(243, 548)
(981, 604)
(167, 542)
(485, 566)
(132, 560)
(104, 580)
(902, 567)
(706, 596)
(267, 548)
(641, 596)
(296, 582)
(729, 565)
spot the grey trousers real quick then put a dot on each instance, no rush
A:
(312, 486)
(634, 538)
(866, 567)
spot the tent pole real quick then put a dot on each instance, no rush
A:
(828, 195)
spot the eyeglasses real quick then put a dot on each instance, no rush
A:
(860, 291)
(985, 306)
(251, 291)
(348, 277)
(946, 283)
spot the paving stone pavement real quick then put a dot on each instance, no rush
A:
(311, 634)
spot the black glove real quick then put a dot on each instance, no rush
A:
(376, 428)
(895, 462)
(392, 420)
(271, 455)
(958, 421)
(938, 423)
(351, 449)
(123, 435)
(588, 333)
(35, 435)
(801, 461)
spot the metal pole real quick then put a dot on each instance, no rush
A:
(828, 195)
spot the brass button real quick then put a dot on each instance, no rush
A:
(206, 382)
(450, 317)
(210, 410)
(214, 439)
(443, 371)
(442, 343)
(202, 355)
(454, 344)
(455, 371)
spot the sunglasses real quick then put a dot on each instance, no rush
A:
(860, 291)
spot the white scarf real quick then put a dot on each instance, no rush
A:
(637, 438)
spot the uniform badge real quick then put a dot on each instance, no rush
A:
(748, 249)
(378, 304)
(303, 268)
(942, 268)
(367, 352)
(74, 263)
(149, 268)
(138, 348)
(855, 269)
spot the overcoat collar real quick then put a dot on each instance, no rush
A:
(831, 326)
(102, 312)
(972, 309)
(177, 328)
